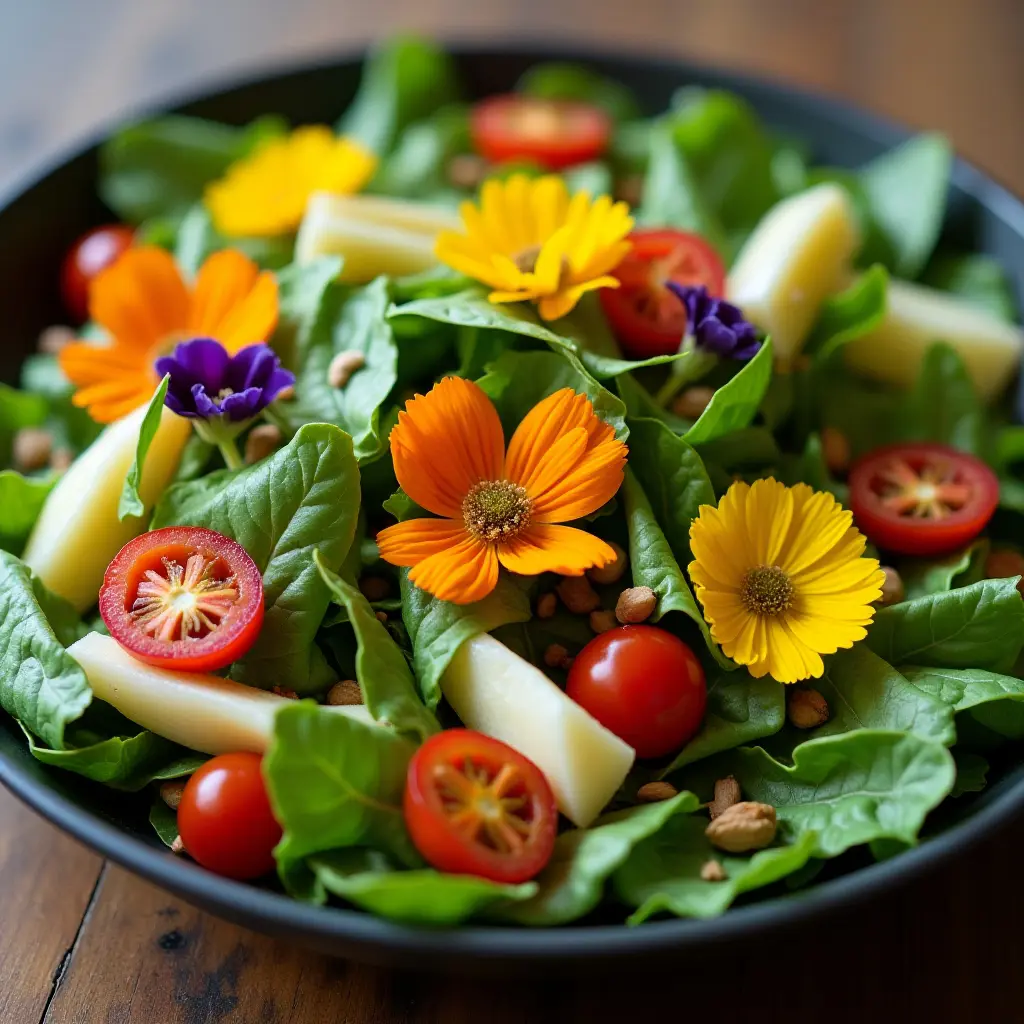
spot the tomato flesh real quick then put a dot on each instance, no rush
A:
(553, 133)
(475, 806)
(92, 253)
(647, 318)
(183, 598)
(922, 499)
(642, 683)
(225, 820)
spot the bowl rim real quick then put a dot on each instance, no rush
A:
(276, 912)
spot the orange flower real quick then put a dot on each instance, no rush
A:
(449, 451)
(146, 308)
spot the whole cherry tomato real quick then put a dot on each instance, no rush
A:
(475, 806)
(225, 820)
(92, 253)
(183, 598)
(642, 683)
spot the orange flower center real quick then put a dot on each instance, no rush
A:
(496, 510)
(766, 590)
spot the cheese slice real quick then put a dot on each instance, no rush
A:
(915, 318)
(199, 711)
(798, 255)
(78, 531)
(373, 235)
(498, 693)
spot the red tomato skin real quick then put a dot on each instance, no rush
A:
(225, 820)
(921, 538)
(427, 821)
(583, 136)
(642, 683)
(238, 630)
(643, 275)
(93, 252)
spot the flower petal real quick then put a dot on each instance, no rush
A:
(561, 549)
(411, 542)
(233, 301)
(462, 574)
(446, 442)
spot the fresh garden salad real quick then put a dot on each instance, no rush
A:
(519, 510)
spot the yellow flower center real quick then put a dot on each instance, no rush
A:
(766, 590)
(526, 261)
(496, 510)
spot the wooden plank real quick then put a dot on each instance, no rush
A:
(46, 881)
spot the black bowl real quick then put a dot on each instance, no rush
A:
(35, 230)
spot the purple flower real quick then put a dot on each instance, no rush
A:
(715, 325)
(207, 383)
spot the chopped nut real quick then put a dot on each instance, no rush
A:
(693, 401)
(345, 694)
(578, 595)
(52, 339)
(635, 605)
(727, 794)
(835, 449)
(655, 792)
(468, 171)
(712, 871)
(375, 588)
(613, 571)
(381, 616)
(286, 394)
(743, 827)
(283, 691)
(61, 459)
(567, 662)
(546, 606)
(170, 792)
(601, 621)
(805, 707)
(555, 655)
(1002, 563)
(31, 449)
(630, 189)
(261, 442)
(342, 366)
(892, 588)
(177, 846)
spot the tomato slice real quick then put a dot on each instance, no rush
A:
(92, 253)
(552, 133)
(475, 806)
(647, 318)
(921, 499)
(183, 598)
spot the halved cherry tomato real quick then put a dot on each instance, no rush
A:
(475, 806)
(921, 499)
(92, 253)
(225, 820)
(646, 317)
(553, 133)
(183, 598)
(642, 683)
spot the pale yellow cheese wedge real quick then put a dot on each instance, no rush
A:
(373, 235)
(498, 693)
(917, 317)
(199, 711)
(797, 256)
(78, 532)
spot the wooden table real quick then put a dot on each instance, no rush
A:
(82, 941)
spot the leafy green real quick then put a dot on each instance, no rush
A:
(849, 314)
(41, 685)
(336, 782)
(573, 882)
(302, 293)
(997, 701)
(164, 822)
(922, 576)
(653, 565)
(304, 496)
(906, 190)
(980, 626)
(421, 897)
(384, 676)
(943, 406)
(130, 503)
(21, 501)
(417, 168)
(663, 872)
(404, 80)
(735, 404)
(563, 81)
(18, 409)
(971, 773)
(976, 278)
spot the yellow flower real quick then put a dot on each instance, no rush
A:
(530, 242)
(780, 575)
(266, 193)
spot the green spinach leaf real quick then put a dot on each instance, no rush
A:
(21, 501)
(849, 314)
(976, 278)
(130, 503)
(558, 80)
(944, 406)
(922, 577)
(997, 701)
